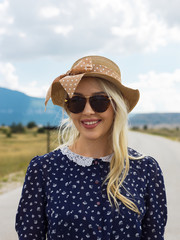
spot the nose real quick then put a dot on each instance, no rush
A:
(88, 109)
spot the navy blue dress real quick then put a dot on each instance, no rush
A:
(63, 198)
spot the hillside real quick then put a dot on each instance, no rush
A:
(155, 119)
(17, 107)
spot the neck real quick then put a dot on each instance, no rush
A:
(92, 148)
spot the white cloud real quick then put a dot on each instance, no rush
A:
(109, 26)
(2, 31)
(3, 6)
(159, 91)
(8, 77)
(144, 27)
(168, 10)
(5, 18)
(34, 90)
(64, 30)
(49, 12)
(10, 80)
(22, 34)
(150, 34)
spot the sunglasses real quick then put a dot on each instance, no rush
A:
(99, 103)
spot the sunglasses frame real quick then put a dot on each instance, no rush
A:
(88, 98)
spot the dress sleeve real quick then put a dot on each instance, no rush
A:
(154, 221)
(31, 221)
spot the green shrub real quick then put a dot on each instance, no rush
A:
(17, 128)
(41, 130)
(9, 134)
(31, 124)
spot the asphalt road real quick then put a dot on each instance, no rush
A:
(8, 206)
(166, 152)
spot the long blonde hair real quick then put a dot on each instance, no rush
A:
(119, 165)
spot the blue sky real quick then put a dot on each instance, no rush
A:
(40, 40)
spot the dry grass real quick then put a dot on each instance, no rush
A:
(17, 151)
(170, 133)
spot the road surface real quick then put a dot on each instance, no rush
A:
(166, 152)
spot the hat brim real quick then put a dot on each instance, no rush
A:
(131, 96)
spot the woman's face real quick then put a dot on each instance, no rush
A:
(90, 124)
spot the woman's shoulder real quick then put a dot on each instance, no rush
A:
(145, 165)
(148, 164)
(46, 159)
(136, 156)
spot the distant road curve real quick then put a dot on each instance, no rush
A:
(165, 151)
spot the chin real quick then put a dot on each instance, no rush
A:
(93, 137)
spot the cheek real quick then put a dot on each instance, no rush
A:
(110, 114)
(75, 117)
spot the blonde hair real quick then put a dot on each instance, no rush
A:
(119, 165)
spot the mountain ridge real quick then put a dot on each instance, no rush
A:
(18, 107)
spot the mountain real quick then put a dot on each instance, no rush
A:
(155, 119)
(17, 107)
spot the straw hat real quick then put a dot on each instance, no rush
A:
(92, 66)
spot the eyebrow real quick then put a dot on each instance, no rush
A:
(80, 94)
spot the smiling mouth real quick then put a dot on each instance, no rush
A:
(91, 124)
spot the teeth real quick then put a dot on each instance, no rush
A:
(90, 123)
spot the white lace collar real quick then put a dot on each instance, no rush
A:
(82, 160)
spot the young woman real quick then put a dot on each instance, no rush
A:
(93, 186)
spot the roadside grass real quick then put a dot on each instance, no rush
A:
(17, 151)
(172, 134)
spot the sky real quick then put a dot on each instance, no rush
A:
(41, 39)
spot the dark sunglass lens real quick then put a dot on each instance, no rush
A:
(99, 103)
(76, 104)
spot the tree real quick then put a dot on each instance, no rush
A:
(17, 128)
(31, 124)
(41, 130)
